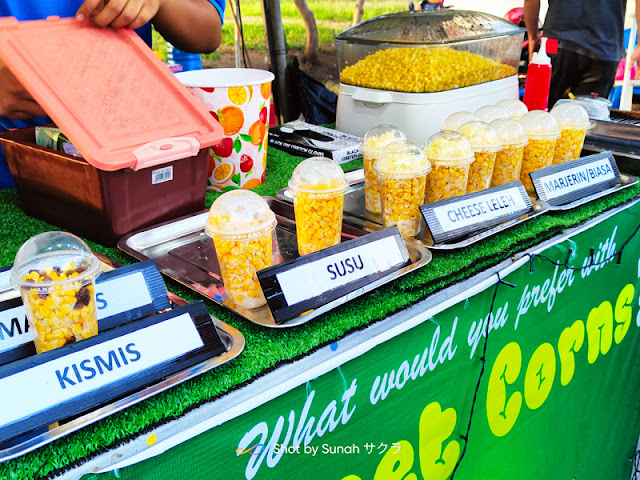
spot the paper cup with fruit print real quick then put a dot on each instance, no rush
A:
(239, 98)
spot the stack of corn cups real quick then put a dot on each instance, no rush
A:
(574, 123)
(318, 186)
(543, 131)
(402, 170)
(241, 225)
(509, 159)
(374, 141)
(450, 155)
(485, 143)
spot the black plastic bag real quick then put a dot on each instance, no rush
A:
(309, 97)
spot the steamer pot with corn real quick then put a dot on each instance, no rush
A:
(412, 70)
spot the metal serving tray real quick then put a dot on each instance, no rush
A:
(185, 253)
(356, 214)
(233, 341)
(627, 180)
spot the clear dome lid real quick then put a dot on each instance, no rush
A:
(239, 213)
(510, 132)
(439, 27)
(55, 251)
(402, 159)
(379, 137)
(539, 125)
(318, 175)
(489, 113)
(571, 115)
(449, 146)
(456, 120)
(481, 136)
(514, 107)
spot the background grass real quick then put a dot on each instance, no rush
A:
(332, 17)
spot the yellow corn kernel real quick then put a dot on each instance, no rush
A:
(238, 270)
(423, 70)
(508, 165)
(480, 171)
(371, 185)
(446, 181)
(401, 199)
(318, 221)
(55, 318)
(569, 145)
(537, 154)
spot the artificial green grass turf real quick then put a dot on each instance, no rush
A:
(267, 348)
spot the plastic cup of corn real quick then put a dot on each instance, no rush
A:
(318, 186)
(514, 107)
(485, 144)
(450, 154)
(489, 113)
(241, 225)
(509, 159)
(574, 123)
(543, 131)
(456, 120)
(55, 273)
(374, 141)
(402, 171)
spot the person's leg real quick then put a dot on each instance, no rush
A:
(597, 77)
(564, 74)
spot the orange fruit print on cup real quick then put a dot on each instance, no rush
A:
(239, 99)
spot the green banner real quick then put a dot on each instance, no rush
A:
(535, 377)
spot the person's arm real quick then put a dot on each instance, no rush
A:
(635, 56)
(15, 102)
(531, 19)
(189, 25)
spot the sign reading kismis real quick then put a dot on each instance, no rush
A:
(544, 362)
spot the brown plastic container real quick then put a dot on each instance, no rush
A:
(103, 206)
(143, 136)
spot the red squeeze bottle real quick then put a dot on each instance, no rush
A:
(536, 89)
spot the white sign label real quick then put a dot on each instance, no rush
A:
(121, 294)
(49, 384)
(112, 297)
(471, 211)
(576, 178)
(314, 278)
(14, 328)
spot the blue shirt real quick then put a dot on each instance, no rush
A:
(37, 10)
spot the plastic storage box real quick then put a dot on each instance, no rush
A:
(143, 136)
(417, 96)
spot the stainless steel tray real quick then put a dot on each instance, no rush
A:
(356, 214)
(233, 341)
(185, 253)
(627, 180)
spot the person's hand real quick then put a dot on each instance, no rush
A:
(534, 44)
(118, 13)
(15, 102)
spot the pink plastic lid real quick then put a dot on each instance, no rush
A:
(107, 91)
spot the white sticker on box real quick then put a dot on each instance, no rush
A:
(161, 175)
(46, 385)
(479, 209)
(315, 278)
